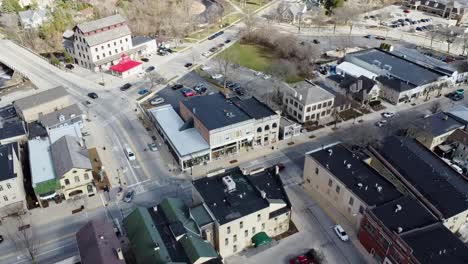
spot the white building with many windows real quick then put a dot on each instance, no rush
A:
(12, 195)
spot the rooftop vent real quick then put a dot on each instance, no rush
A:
(101, 237)
(263, 193)
(359, 185)
(155, 209)
(376, 62)
(379, 189)
(344, 162)
(229, 114)
(156, 247)
(330, 152)
(10, 157)
(398, 208)
(229, 183)
(399, 230)
(387, 67)
(348, 165)
(61, 118)
(120, 254)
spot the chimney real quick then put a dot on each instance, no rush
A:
(348, 165)
(101, 237)
(120, 254)
(398, 208)
(445, 117)
(263, 194)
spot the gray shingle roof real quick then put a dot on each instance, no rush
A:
(101, 23)
(107, 35)
(68, 154)
(312, 93)
(53, 118)
(40, 98)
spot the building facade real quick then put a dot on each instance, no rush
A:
(12, 194)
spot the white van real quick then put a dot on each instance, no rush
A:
(129, 153)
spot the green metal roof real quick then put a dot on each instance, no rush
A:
(201, 215)
(261, 239)
(176, 211)
(196, 248)
(46, 186)
(144, 236)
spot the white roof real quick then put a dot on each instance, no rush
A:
(70, 130)
(355, 70)
(185, 142)
(40, 159)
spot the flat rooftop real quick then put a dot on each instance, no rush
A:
(185, 141)
(399, 67)
(356, 175)
(438, 124)
(10, 124)
(253, 107)
(215, 111)
(446, 189)
(405, 213)
(40, 159)
(460, 113)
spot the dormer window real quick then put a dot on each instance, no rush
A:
(61, 118)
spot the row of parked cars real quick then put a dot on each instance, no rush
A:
(215, 48)
(402, 22)
(456, 95)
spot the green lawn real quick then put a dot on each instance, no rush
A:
(250, 56)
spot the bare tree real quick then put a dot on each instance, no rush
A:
(432, 35)
(347, 15)
(251, 23)
(279, 12)
(225, 63)
(435, 107)
(25, 239)
(449, 35)
(154, 79)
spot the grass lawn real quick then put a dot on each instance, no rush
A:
(250, 56)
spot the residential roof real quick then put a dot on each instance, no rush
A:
(138, 40)
(436, 244)
(309, 93)
(98, 243)
(420, 58)
(215, 111)
(40, 160)
(201, 215)
(125, 64)
(8, 153)
(40, 98)
(71, 130)
(340, 99)
(442, 186)
(460, 113)
(366, 83)
(10, 124)
(229, 206)
(52, 119)
(405, 213)
(380, 62)
(195, 248)
(356, 175)
(395, 83)
(101, 23)
(185, 141)
(35, 130)
(30, 15)
(108, 35)
(351, 69)
(176, 211)
(460, 136)
(67, 154)
(253, 107)
(438, 124)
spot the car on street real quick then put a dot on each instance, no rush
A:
(93, 95)
(143, 91)
(460, 92)
(152, 146)
(205, 68)
(216, 76)
(156, 101)
(129, 196)
(406, 11)
(257, 73)
(125, 87)
(144, 59)
(187, 92)
(206, 54)
(213, 49)
(188, 65)
(129, 153)
(457, 97)
(150, 69)
(381, 123)
(227, 41)
(266, 76)
(198, 87)
(220, 45)
(316, 41)
(380, 37)
(215, 35)
(1, 238)
(341, 233)
(177, 86)
(369, 36)
(302, 259)
(70, 66)
(388, 114)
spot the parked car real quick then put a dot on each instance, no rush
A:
(206, 54)
(129, 196)
(144, 59)
(177, 86)
(213, 49)
(388, 114)
(216, 76)
(187, 92)
(125, 87)
(227, 41)
(341, 233)
(457, 97)
(257, 73)
(302, 259)
(70, 66)
(460, 92)
(93, 95)
(198, 87)
(266, 76)
(150, 69)
(152, 146)
(156, 101)
(381, 123)
(143, 91)
(380, 38)
(188, 65)
(316, 41)
(240, 92)
(205, 68)
(220, 45)
(215, 35)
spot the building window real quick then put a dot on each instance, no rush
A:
(226, 241)
(116, 51)
(67, 181)
(317, 170)
(274, 229)
(5, 198)
(337, 189)
(351, 201)
(121, 48)
(328, 111)
(1, 188)
(308, 109)
(323, 113)
(102, 47)
(74, 171)
(97, 57)
(77, 179)
(267, 127)
(330, 183)
(253, 231)
(295, 104)
(234, 239)
(319, 106)
(95, 49)
(300, 107)
(126, 39)
(8, 186)
(120, 41)
(241, 224)
(103, 55)
(110, 52)
(312, 116)
(274, 125)
(228, 230)
(361, 209)
(86, 176)
(115, 43)
(246, 233)
(329, 103)
(263, 226)
(108, 45)
(307, 118)
(234, 248)
(314, 107)
(299, 116)
(308, 180)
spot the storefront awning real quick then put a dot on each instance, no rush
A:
(261, 239)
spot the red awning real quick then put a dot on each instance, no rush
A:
(125, 64)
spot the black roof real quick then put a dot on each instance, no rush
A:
(253, 107)
(435, 244)
(404, 212)
(35, 129)
(443, 187)
(438, 124)
(395, 83)
(10, 124)
(7, 165)
(246, 199)
(358, 177)
(215, 111)
(367, 84)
